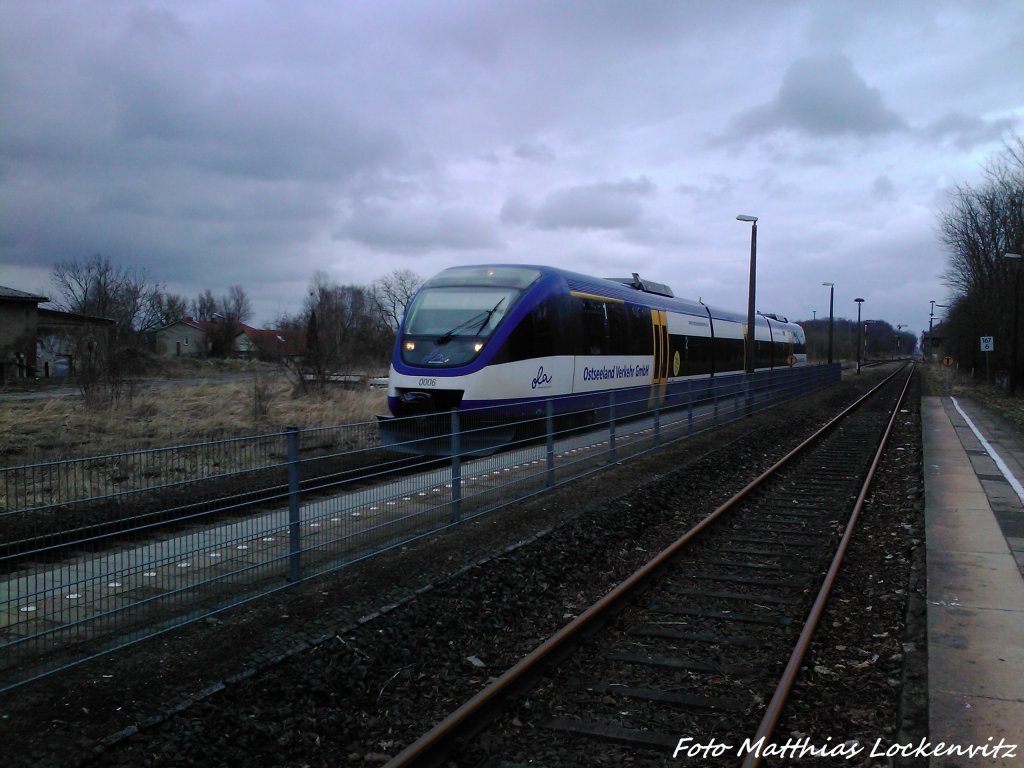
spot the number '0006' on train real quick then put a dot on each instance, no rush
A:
(497, 342)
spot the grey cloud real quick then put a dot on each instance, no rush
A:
(516, 211)
(415, 231)
(535, 152)
(883, 189)
(822, 96)
(610, 205)
(148, 94)
(966, 132)
(717, 188)
(261, 131)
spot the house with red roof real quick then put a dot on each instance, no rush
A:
(269, 344)
(183, 338)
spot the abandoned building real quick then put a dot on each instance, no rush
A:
(43, 343)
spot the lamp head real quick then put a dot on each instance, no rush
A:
(745, 217)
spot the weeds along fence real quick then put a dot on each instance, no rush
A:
(100, 552)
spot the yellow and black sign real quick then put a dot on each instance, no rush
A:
(947, 360)
(791, 360)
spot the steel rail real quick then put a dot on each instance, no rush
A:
(778, 701)
(431, 748)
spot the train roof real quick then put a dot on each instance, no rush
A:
(632, 290)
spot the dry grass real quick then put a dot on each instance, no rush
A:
(172, 414)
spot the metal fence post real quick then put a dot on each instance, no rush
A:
(549, 436)
(689, 406)
(657, 425)
(294, 533)
(611, 427)
(456, 469)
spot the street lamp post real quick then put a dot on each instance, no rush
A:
(831, 319)
(748, 356)
(860, 332)
(1016, 321)
(931, 317)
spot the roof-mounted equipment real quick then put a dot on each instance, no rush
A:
(647, 286)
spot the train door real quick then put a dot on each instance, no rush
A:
(659, 375)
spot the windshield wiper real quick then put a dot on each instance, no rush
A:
(447, 336)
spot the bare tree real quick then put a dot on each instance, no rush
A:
(392, 294)
(342, 329)
(95, 286)
(982, 225)
(233, 310)
(235, 306)
(204, 306)
(172, 307)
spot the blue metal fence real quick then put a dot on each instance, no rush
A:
(99, 552)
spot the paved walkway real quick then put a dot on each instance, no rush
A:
(974, 519)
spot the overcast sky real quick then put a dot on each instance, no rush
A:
(255, 142)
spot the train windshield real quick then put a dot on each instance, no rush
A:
(455, 312)
(447, 313)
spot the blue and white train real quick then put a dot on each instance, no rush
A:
(516, 336)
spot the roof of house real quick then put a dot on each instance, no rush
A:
(275, 342)
(72, 317)
(10, 294)
(202, 325)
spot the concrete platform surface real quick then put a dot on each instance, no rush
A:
(974, 521)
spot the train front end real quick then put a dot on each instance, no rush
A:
(451, 332)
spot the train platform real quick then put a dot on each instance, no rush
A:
(974, 520)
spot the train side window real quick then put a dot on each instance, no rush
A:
(728, 355)
(641, 340)
(618, 329)
(543, 335)
(694, 353)
(534, 336)
(594, 321)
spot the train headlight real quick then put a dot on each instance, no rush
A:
(478, 346)
(410, 346)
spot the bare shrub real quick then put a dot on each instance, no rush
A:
(262, 397)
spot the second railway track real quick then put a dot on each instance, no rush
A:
(700, 652)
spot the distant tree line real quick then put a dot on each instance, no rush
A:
(344, 326)
(134, 300)
(981, 226)
(879, 338)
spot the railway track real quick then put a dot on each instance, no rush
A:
(693, 655)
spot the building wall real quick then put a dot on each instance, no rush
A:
(17, 339)
(180, 339)
(245, 347)
(55, 354)
(64, 338)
